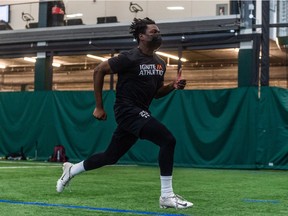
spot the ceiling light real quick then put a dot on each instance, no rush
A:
(33, 60)
(54, 64)
(175, 8)
(171, 56)
(74, 15)
(2, 66)
(30, 59)
(96, 57)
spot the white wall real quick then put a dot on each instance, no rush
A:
(16, 21)
(91, 10)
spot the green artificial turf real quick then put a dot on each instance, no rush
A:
(135, 190)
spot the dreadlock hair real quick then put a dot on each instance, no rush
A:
(139, 26)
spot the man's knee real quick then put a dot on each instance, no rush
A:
(111, 158)
(171, 140)
(111, 161)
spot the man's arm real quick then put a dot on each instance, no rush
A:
(164, 90)
(178, 83)
(98, 77)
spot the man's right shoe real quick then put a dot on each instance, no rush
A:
(174, 201)
(65, 178)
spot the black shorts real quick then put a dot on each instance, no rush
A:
(131, 119)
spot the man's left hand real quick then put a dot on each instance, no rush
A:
(179, 83)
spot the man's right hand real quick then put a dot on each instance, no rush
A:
(100, 114)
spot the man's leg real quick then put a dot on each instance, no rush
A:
(120, 143)
(157, 133)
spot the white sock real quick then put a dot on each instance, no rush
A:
(166, 186)
(77, 168)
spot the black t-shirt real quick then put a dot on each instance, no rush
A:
(139, 78)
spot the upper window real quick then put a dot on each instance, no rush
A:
(5, 13)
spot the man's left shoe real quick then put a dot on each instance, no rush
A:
(174, 201)
(64, 180)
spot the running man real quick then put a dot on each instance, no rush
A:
(140, 79)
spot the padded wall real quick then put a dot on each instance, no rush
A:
(229, 128)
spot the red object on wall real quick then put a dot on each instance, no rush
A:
(57, 10)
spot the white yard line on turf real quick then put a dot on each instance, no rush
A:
(28, 167)
(30, 162)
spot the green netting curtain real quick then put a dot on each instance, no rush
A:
(231, 128)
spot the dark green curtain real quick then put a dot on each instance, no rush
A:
(230, 128)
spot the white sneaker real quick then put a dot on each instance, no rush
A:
(65, 178)
(174, 201)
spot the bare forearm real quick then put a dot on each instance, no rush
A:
(178, 84)
(165, 90)
(98, 78)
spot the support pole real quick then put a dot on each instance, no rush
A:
(265, 61)
(43, 67)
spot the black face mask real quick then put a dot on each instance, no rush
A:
(155, 42)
